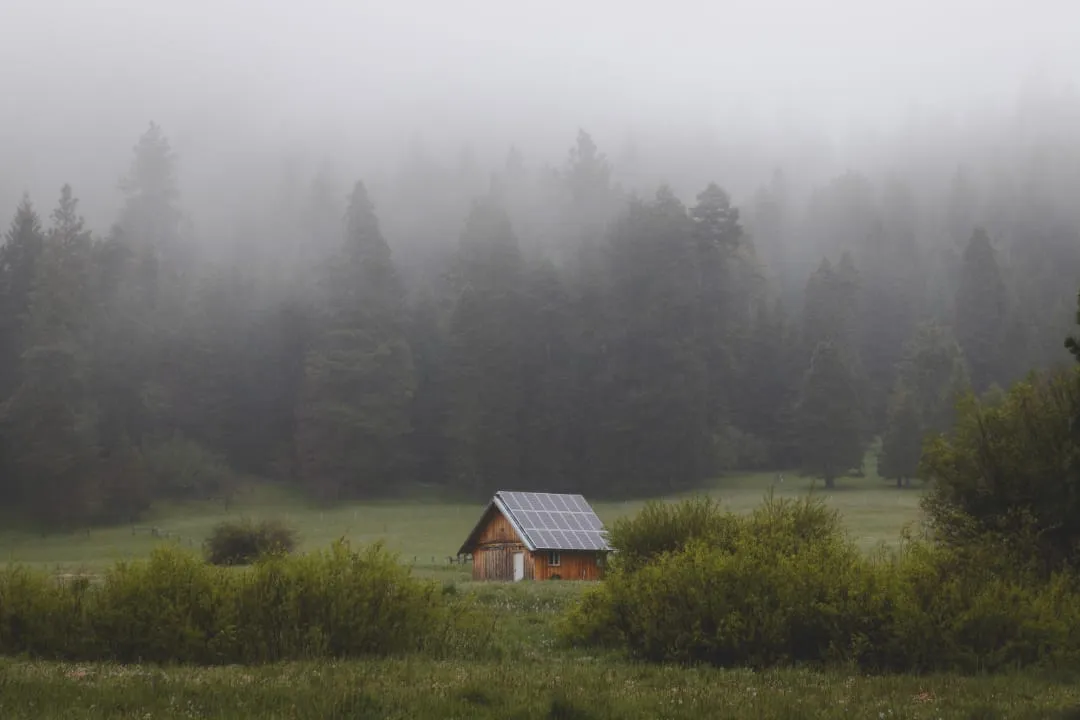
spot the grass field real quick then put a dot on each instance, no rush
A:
(424, 533)
(572, 688)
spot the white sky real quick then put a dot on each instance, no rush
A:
(79, 79)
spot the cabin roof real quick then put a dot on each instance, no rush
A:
(546, 521)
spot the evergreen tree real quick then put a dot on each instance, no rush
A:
(717, 233)
(901, 446)
(18, 264)
(486, 355)
(657, 404)
(50, 418)
(427, 338)
(547, 382)
(933, 371)
(831, 303)
(353, 413)
(767, 388)
(981, 312)
(150, 216)
(829, 417)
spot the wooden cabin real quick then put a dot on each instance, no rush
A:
(537, 536)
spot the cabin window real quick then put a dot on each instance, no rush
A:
(553, 558)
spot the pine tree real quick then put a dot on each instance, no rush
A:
(932, 370)
(717, 233)
(981, 312)
(427, 338)
(353, 415)
(655, 430)
(18, 265)
(50, 417)
(901, 445)
(485, 354)
(829, 417)
(150, 216)
(547, 382)
(767, 387)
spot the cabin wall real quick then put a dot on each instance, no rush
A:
(572, 566)
(493, 558)
(497, 529)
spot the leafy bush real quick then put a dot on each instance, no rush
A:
(175, 608)
(242, 542)
(1011, 468)
(784, 585)
(663, 528)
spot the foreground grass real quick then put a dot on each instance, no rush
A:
(570, 687)
(425, 533)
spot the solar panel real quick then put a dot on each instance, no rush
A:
(555, 522)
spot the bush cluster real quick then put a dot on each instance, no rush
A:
(1010, 468)
(784, 585)
(176, 608)
(242, 542)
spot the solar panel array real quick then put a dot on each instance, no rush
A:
(555, 522)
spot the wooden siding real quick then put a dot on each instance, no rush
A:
(496, 562)
(572, 566)
(497, 529)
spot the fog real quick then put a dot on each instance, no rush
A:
(726, 91)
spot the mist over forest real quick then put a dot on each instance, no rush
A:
(380, 251)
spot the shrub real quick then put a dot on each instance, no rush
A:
(243, 542)
(665, 527)
(785, 585)
(964, 609)
(1011, 468)
(781, 584)
(175, 608)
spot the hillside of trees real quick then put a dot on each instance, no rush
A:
(544, 329)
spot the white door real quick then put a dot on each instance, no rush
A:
(519, 566)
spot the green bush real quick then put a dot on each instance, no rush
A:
(242, 542)
(784, 585)
(663, 528)
(175, 608)
(1011, 468)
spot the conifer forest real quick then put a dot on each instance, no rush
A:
(548, 326)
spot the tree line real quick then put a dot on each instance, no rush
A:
(572, 336)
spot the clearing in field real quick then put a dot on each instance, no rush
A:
(426, 533)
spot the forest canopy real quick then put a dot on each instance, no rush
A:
(549, 329)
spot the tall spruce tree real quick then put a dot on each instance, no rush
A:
(717, 234)
(18, 266)
(50, 418)
(19, 255)
(657, 400)
(829, 417)
(486, 354)
(353, 413)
